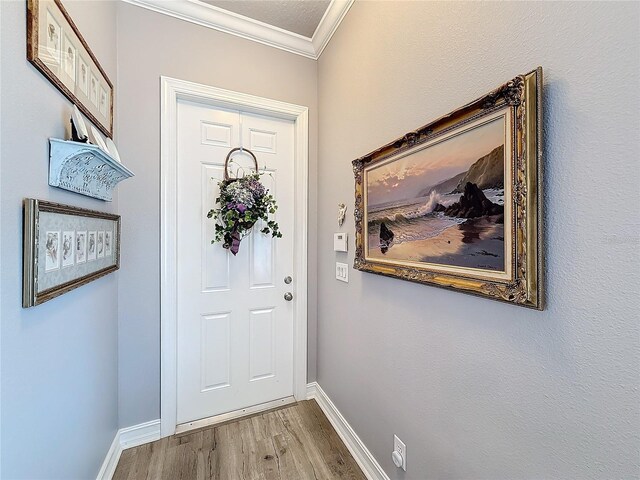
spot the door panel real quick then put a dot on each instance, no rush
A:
(217, 134)
(215, 351)
(261, 271)
(215, 267)
(263, 141)
(262, 335)
(235, 330)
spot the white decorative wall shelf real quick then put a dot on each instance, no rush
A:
(84, 168)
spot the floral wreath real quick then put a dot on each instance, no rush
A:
(243, 201)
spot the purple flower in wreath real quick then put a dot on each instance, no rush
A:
(257, 189)
(241, 207)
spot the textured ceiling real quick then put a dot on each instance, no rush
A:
(298, 16)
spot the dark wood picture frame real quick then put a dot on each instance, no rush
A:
(518, 104)
(34, 56)
(31, 249)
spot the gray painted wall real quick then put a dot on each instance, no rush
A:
(151, 45)
(476, 388)
(59, 360)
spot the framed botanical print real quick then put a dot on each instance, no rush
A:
(456, 203)
(56, 47)
(64, 248)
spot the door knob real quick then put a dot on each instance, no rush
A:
(288, 296)
(288, 280)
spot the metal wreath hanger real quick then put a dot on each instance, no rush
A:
(240, 149)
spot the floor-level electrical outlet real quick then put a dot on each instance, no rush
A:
(342, 272)
(401, 448)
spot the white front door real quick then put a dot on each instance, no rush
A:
(234, 327)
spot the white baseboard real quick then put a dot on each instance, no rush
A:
(140, 434)
(111, 460)
(370, 467)
(127, 438)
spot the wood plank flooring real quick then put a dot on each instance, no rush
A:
(295, 442)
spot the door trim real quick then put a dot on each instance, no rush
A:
(172, 90)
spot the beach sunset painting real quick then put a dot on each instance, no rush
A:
(443, 204)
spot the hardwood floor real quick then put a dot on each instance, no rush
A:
(295, 442)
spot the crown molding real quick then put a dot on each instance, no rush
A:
(225, 21)
(328, 25)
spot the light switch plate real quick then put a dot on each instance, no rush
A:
(342, 272)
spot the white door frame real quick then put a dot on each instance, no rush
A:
(173, 90)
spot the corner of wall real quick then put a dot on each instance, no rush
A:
(1, 157)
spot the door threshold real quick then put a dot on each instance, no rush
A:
(225, 417)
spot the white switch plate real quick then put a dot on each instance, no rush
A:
(401, 448)
(342, 272)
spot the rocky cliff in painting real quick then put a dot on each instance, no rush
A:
(472, 204)
(486, 172)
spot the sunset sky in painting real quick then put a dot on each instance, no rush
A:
(405, 178)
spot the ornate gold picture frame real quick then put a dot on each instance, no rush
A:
(457, 202)
(56, 47)
(64, 248)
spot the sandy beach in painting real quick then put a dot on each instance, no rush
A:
(476, 243)
(444, 205)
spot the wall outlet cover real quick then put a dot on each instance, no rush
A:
(401, 448)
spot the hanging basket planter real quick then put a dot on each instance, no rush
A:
(242, 202)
